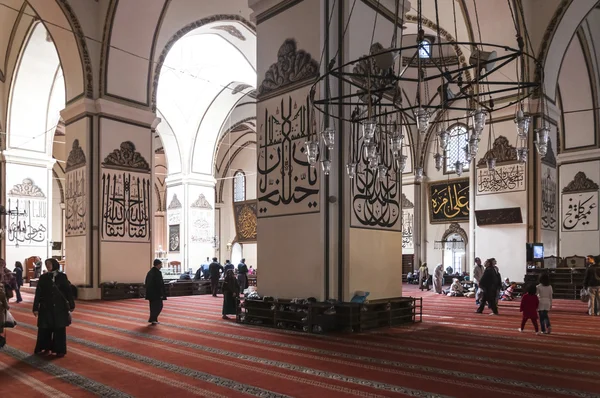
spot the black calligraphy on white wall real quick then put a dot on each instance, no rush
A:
(28, 226)
(75, 195)
(549, 198)
(408, 218)
(174, 211)
(580, 205)
(287, 184)
(449, 201)
(505, 178)
(126, 195)
(174, 240)
(375, 200)
(202, 216)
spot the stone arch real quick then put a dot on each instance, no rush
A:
(182, 32)
(455, 228)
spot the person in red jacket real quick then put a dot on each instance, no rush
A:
(529, 308)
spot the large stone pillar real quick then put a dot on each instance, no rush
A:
(108, 197)
(317, 235)
(28, 196)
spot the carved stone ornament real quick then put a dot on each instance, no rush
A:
(27, 189)
(407, 204)
(455, 228)
(126, 157)
(239, 88)
(377, 81)
(201, 203)
(76, 157)
(580, 184)
(502, 151)
(232, 30)
(175, 203)
(292, 66)
(550, 158)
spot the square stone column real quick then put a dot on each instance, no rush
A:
(108, 209)
(318, 235)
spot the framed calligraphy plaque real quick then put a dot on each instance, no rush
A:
(504, 178)
(509, 215)
(245, 221)
(174, 239)
(580, 211)
(449, 201)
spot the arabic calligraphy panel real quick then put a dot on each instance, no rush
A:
(286, 183)
(245, 220)
(30, 229)
(549, 198)
(174, 238)
(504, 178)
(202, 225)
(580, 212)
(408, 217)
(449, 201)
(75, 202)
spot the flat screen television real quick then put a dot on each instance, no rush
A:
(535, 251)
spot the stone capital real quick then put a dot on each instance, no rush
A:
(27, 158)
(104, 107)
(203, 180)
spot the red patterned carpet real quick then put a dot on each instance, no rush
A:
(454, 352)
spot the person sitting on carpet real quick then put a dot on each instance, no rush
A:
(508, 294)
(456, 289)
(231, 290)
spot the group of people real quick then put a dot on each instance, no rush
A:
(52, 305)
(231, 287)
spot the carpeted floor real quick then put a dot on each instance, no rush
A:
(112, 352)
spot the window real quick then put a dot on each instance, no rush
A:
(459, 138)
(425, 49)
(239, 186)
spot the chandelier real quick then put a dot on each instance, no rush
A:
(388, 91)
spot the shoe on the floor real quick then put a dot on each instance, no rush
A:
(538, 333)
(225, 317)
(60, 355)
(493, 313)
(153, 323)
(520, 330)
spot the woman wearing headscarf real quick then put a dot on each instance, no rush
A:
(438, 278)
(19, 277)
(7, 279)
(52, 306)
(231, 289)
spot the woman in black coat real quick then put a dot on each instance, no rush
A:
(52, 306)
(19, 276)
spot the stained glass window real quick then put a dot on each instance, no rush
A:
(458, 139)
(425, 49)
(239, 186)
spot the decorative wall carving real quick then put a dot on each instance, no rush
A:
(449, 201)
(549, 158)
(580, 184)
(232, 30)
(29, 229)
(510, 215)
(378, 77)
(75, 200)
(408, 218)
(549, 198)
(245, 214)
(406, 203)
(375, 201)
(174, 239)
(239, 88)
(455, 228)
(286, 182)
(201, 203)
(175, 203)
(504, 178)
(126, 195)
(293, 67)
(502, 151)
(202, 226)
(580, 211)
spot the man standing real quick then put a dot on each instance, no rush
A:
(490, 284)
(477, 274)
(424, 277)
(155, 291)
(215, 269)
(592, 284)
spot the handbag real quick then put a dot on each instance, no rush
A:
(584, 295)
(9, 320)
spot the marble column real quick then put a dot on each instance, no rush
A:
(191, 220)
(317, 237)
(28, 194)
(108, 194)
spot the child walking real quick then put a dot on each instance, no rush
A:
(544, 292)
(529, 308)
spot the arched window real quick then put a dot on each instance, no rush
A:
(239, 186)
(425, 49)
(459, 138)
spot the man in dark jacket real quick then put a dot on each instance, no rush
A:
(215, 269)
(490, 284)
(155, 291)
(591, 282)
